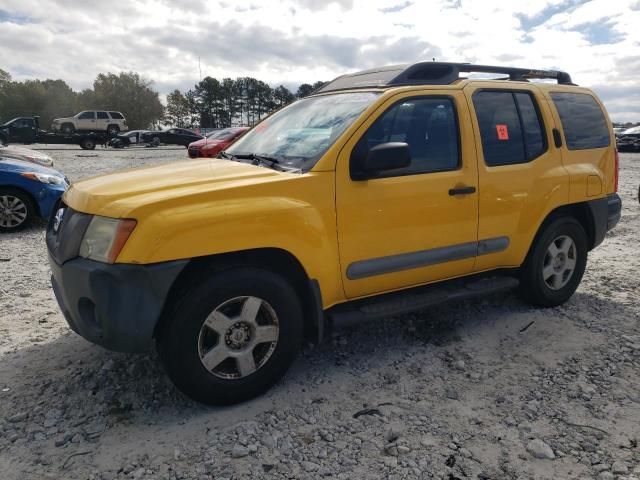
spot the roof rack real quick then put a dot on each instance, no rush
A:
(433, 73)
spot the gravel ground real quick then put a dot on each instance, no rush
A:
(485, 389)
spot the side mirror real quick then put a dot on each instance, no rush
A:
(383, 157)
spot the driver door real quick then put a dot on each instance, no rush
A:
(415, 224)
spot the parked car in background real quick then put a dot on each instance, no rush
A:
(215, 142)
(92, 120)
(629, 140)
(27, 191)
(26, 155)
(133, 137)
(172, 136)
(628, 143)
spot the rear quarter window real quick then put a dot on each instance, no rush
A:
(583, 121)
(116, 115)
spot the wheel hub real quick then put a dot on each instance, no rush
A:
(238, 336)
(559, 261)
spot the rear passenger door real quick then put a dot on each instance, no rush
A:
(102, 120)
(521, 177)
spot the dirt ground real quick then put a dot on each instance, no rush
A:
(484, 389)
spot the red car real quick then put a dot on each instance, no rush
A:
(215, 142)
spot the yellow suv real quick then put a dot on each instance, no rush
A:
(385, 191)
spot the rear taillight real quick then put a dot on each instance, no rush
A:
(616, 172)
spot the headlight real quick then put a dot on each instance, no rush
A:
(105, 238)
(45, 178)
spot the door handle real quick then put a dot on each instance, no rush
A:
(462, 191)
(557, 139)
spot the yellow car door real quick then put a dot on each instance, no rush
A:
(415, 224)
(521, 176)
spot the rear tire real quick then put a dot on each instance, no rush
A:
(17, 210)
(88, 144)
(113, 130)
(556, 263)
(229, 338)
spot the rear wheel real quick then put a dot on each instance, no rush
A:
(556, 263)
(88, 144)
(233, 336)
(112, 130)
(16, 210)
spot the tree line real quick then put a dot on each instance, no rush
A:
(212, 103)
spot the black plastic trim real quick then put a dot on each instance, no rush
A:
(116, 306)
(423, 258)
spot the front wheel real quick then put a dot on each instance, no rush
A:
(68, 129)
(554, 268)
(232, 336)
(16, 210)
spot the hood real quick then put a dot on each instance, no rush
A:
(20, 166)
(26, 155)
(121, 193)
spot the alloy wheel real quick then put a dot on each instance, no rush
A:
(559, 262)
(238, 337)
(13, 211)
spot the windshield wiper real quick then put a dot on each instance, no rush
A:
(259, 159)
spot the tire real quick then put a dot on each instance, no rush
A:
(16, 210)
(3, 140)
(551, 274)
(113, 130)
(67, 128)
(155, 141)
(88, 144)
(240, 366)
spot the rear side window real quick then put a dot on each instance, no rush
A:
(103, 115)
(116, 115)
(510, 127)
(87, 116)
(582, 120)
(428, 125)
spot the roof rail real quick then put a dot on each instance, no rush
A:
(433, 73)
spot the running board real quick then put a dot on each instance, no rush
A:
(417, 299)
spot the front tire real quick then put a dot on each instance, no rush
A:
(232, 336)
(68, 129)
(555, 265)
(16, 210)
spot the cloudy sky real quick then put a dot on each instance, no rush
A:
(295, 41)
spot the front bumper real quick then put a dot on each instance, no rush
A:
(116, 306)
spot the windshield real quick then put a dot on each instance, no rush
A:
(10, 121)
(222, 134)
(298, 135)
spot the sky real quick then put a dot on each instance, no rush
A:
(174, 42)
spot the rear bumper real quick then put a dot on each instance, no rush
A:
(116, 306)
(606, 214)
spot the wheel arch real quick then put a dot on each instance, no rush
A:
(276, 260)
(578, 211)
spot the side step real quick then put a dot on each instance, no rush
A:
(418, 298)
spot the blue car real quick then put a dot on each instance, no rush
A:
(27, 191)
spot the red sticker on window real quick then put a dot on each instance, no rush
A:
(503, 131)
